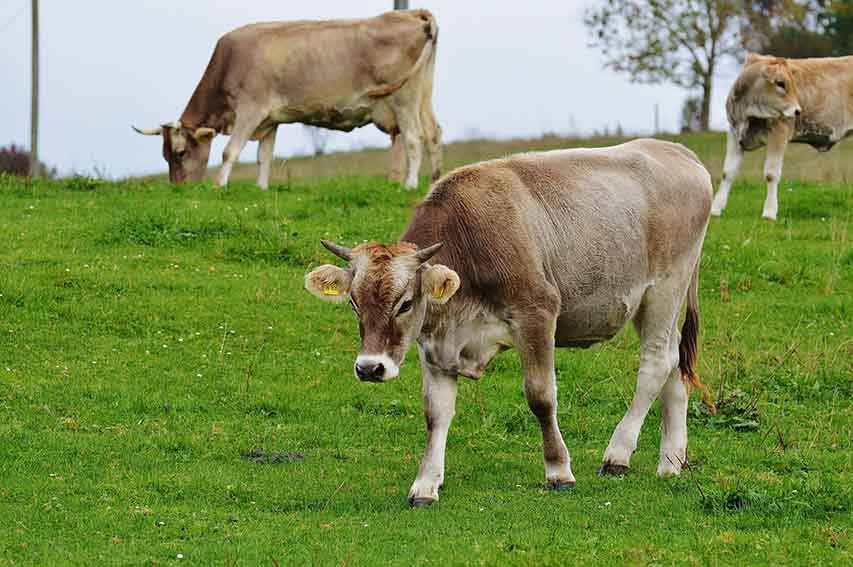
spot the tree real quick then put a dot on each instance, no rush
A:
(786, 28)
(691, 114)
(667, 41)
(837, 21)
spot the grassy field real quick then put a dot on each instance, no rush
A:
(153, 337)
(802, 163)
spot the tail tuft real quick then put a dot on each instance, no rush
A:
(688, 348)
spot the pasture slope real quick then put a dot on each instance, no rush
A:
(151, 334)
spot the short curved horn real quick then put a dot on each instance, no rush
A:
(149, 131)
(428, 252)
(341, 252)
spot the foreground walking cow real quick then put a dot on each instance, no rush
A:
(339, 74)
(775, 101)
(536, 251)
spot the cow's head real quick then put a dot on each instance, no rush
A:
(388, 288)
(186, 150)
(766, 89)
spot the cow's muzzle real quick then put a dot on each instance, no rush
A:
(375, 368)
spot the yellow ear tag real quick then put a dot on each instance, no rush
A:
(331, 289)
(439, 293)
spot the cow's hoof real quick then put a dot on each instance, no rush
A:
(768, 216)
(612, 469)
(421, 501)
(558, 485)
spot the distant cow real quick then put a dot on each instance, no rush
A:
(537, 251)
(775, 101)
(339, 74)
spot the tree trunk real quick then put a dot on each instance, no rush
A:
(705, 118)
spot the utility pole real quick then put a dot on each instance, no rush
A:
(34, 101)
(401, 4)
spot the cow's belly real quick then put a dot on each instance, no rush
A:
(343, 117)
(597, 318)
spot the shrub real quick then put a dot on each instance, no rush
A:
(15, 160)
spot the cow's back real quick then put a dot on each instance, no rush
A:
(588, 220)
(311, 64)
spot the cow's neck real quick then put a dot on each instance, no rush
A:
(208, 108)
(463, 337)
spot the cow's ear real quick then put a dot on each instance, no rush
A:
(439, 283)
(204, 134)
(330, 283)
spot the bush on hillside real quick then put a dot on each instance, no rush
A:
(15, 160)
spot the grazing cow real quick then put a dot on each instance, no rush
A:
(537, 251)
(775, 101)
(339, 74)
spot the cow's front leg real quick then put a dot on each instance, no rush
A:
(244, 127)
(265, 156)
(777, 141)
(439, 389)
(731, 165)
(534, 338)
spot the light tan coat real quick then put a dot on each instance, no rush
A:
(775, 101)
(340, 74)
(537, 251)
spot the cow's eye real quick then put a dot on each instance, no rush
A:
(406, 306)
(781, 84)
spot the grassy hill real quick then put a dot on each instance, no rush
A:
(802, 163)
(153, 337)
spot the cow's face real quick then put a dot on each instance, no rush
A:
(388, 288)
(186, 150)
(766, 89)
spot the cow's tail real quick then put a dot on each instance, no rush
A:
(688, 349)
(427, 53)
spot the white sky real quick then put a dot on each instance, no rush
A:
(505, 69)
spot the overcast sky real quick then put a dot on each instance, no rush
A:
(504, 69)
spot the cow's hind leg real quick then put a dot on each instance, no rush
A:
(533, 334)
(656, 323)
(439, 390)
(244, 127)
(777, 141)
(397, 166)
(731, 165)
(432, 139)
(410, 130)
(673, 440)
(265, 156)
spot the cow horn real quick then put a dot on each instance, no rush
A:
(175, 125)
(428, 252)
(149, 131)
(341, 252)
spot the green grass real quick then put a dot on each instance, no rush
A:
(150, 335)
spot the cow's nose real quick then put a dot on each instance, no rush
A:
(369, 370)
(797, 112)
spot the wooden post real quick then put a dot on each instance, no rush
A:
(34, 100)
(401, 4)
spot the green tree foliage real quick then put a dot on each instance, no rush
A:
(800, 28)
(837, 21)
(681, 42)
